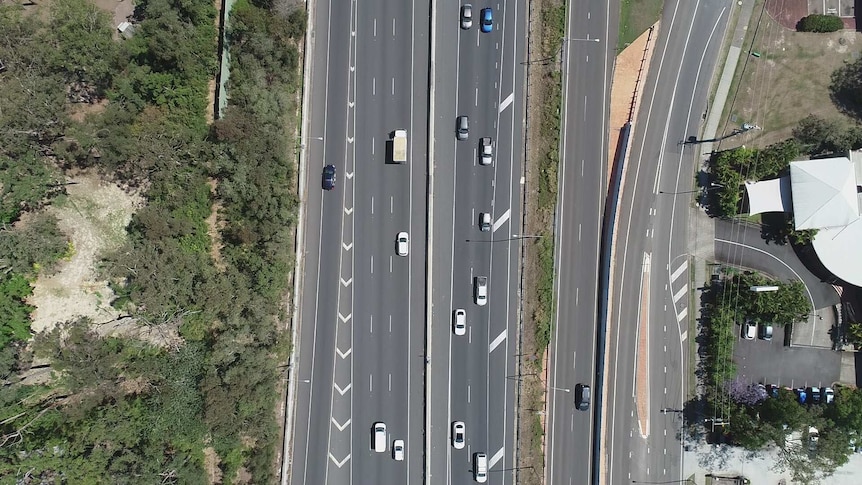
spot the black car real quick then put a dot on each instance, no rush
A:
(582, 397)
(329, 177)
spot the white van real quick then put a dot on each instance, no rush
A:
(378, 437)
(480, 467)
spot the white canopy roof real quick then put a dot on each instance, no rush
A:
(838, 250)
(769, 196)
(824, 193)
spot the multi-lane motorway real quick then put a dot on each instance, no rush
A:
(366, 312)
(363, 307)
(376, 340)
(478, 75)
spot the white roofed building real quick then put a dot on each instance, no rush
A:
(822, 194)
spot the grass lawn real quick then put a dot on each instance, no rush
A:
(789, 81)
(636, 16)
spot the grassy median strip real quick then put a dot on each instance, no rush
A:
(544, 95)
(636, 16)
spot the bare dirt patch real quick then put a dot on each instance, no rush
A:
(789, 81)
(94, 215)
(80, 111)
(214, 227)
(211, 465)
(120, 10)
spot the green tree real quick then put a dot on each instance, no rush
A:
(820, 23)
(845, 88)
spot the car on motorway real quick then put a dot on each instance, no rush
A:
(766, 331)
(484, 221)
(480, 467)
(402, 243)
(462, 128)
(460, 324)
(828, 395)
(749, 330)
(398, 450)
(487, 16)
(329, 177)
(466, 16)
(378, 437)
(459, 435)
(582, 396)
(480, 290)
(486, 150)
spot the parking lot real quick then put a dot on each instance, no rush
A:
(770, 362)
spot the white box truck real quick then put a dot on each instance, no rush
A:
(399, 146)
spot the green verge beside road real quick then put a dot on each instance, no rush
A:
(636, 16)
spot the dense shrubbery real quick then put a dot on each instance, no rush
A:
(820, 136)
(731, 168)
(819, 23)
(123, 410)
(753, 420)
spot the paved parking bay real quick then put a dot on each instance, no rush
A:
(770, 362)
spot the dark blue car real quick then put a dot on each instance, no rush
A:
(487, 20)
(329, 177)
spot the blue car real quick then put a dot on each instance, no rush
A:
(802, 396)
(487, 20)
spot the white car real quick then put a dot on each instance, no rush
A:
(460, 322)
(459, 435)
(466, 16)
(402, 244)
(484, 221)
(379, 437)
(480, 290)
(398, 450)
(486, 150)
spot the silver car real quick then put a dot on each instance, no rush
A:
(486, 151)
(466, 16)
(463, 128)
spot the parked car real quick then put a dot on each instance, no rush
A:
(772, 390)
(814, 395)
(801, 395)
(828, 395)
(749, 330)
(766, 331)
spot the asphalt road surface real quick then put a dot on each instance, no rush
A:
(587, 67)
(653, 257)
(479, 75)
(362, 312)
